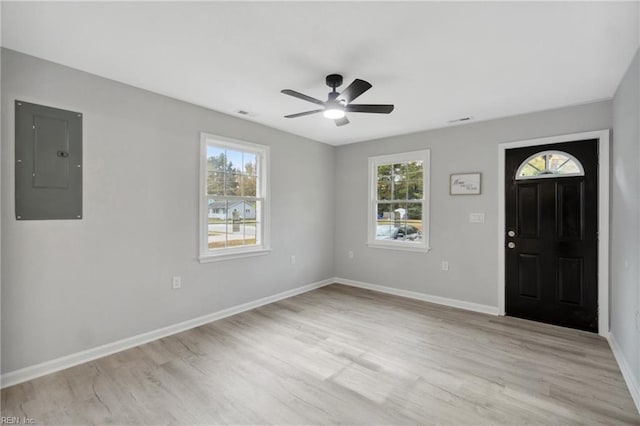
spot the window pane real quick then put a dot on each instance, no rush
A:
(234, 160)
(414, 222)
(538, 163)
(232, 184)
(561, 164)
(215, 158)
(249, 185)
(384, 182)
(236, 224)
(215, 183)
(250, 161)
(400, 171)
(414, 170)
(217, 223)
(258, 208)
(384, 190)
(569, 167)
(384, 222)
(399, 214)
(555, 160)
(241, 230)
(249, 223)
(384, 172)
(414, 190)
(528, 170)
(399, 188)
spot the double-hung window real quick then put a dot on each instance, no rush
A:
(399, 201)
(234, 203)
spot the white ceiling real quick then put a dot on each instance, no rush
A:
(435, 61)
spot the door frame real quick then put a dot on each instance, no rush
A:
(603, 216)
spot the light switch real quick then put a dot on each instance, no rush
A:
(476, 217)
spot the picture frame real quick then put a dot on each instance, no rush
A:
(465, 183)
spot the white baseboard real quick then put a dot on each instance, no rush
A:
(455, 303)
(632, 382)
(22, 375)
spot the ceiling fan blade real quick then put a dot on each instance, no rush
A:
(377, 109)
(301, 96)
(341, 121)
(355, 89)
(301, 114)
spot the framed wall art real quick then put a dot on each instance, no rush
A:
(464, 184)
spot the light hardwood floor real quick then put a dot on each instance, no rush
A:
(343, 355)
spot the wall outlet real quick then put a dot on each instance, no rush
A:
(350, 254)
(445, 265)
(176, 283)
(293, 260)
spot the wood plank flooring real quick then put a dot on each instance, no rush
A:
(341, 355)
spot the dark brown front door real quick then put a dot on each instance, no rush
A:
(551, 238)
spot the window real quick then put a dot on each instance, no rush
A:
(398, 201)
(549, 164)
(234, 202)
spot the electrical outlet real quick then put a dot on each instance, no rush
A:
(293, 260)
(445, 265)
(176, 282)
(350, 254)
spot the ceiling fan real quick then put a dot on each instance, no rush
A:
(338, 104)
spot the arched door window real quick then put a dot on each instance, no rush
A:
(548, 164)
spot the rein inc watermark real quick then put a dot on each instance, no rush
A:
(15, 420)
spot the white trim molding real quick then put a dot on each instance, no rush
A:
(261, 198)
(34, 371)
(421, 245)
(454, 303)
(627, 373)
(603, 216)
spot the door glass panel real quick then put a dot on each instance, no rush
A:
(549, 164)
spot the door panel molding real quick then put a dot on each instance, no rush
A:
(603, 216)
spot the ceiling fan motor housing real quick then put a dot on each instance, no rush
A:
(334, 80)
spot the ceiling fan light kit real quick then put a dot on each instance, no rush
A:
(338, 104)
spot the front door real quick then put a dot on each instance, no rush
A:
(551, 235)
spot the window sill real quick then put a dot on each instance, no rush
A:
(400, 247)
(207, 258)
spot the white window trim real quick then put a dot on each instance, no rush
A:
(374, 162)
(263, 152)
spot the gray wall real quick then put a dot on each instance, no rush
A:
(470, 249)
(625, 216)
(73, 285)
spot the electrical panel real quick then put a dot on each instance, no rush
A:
(48, 162)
